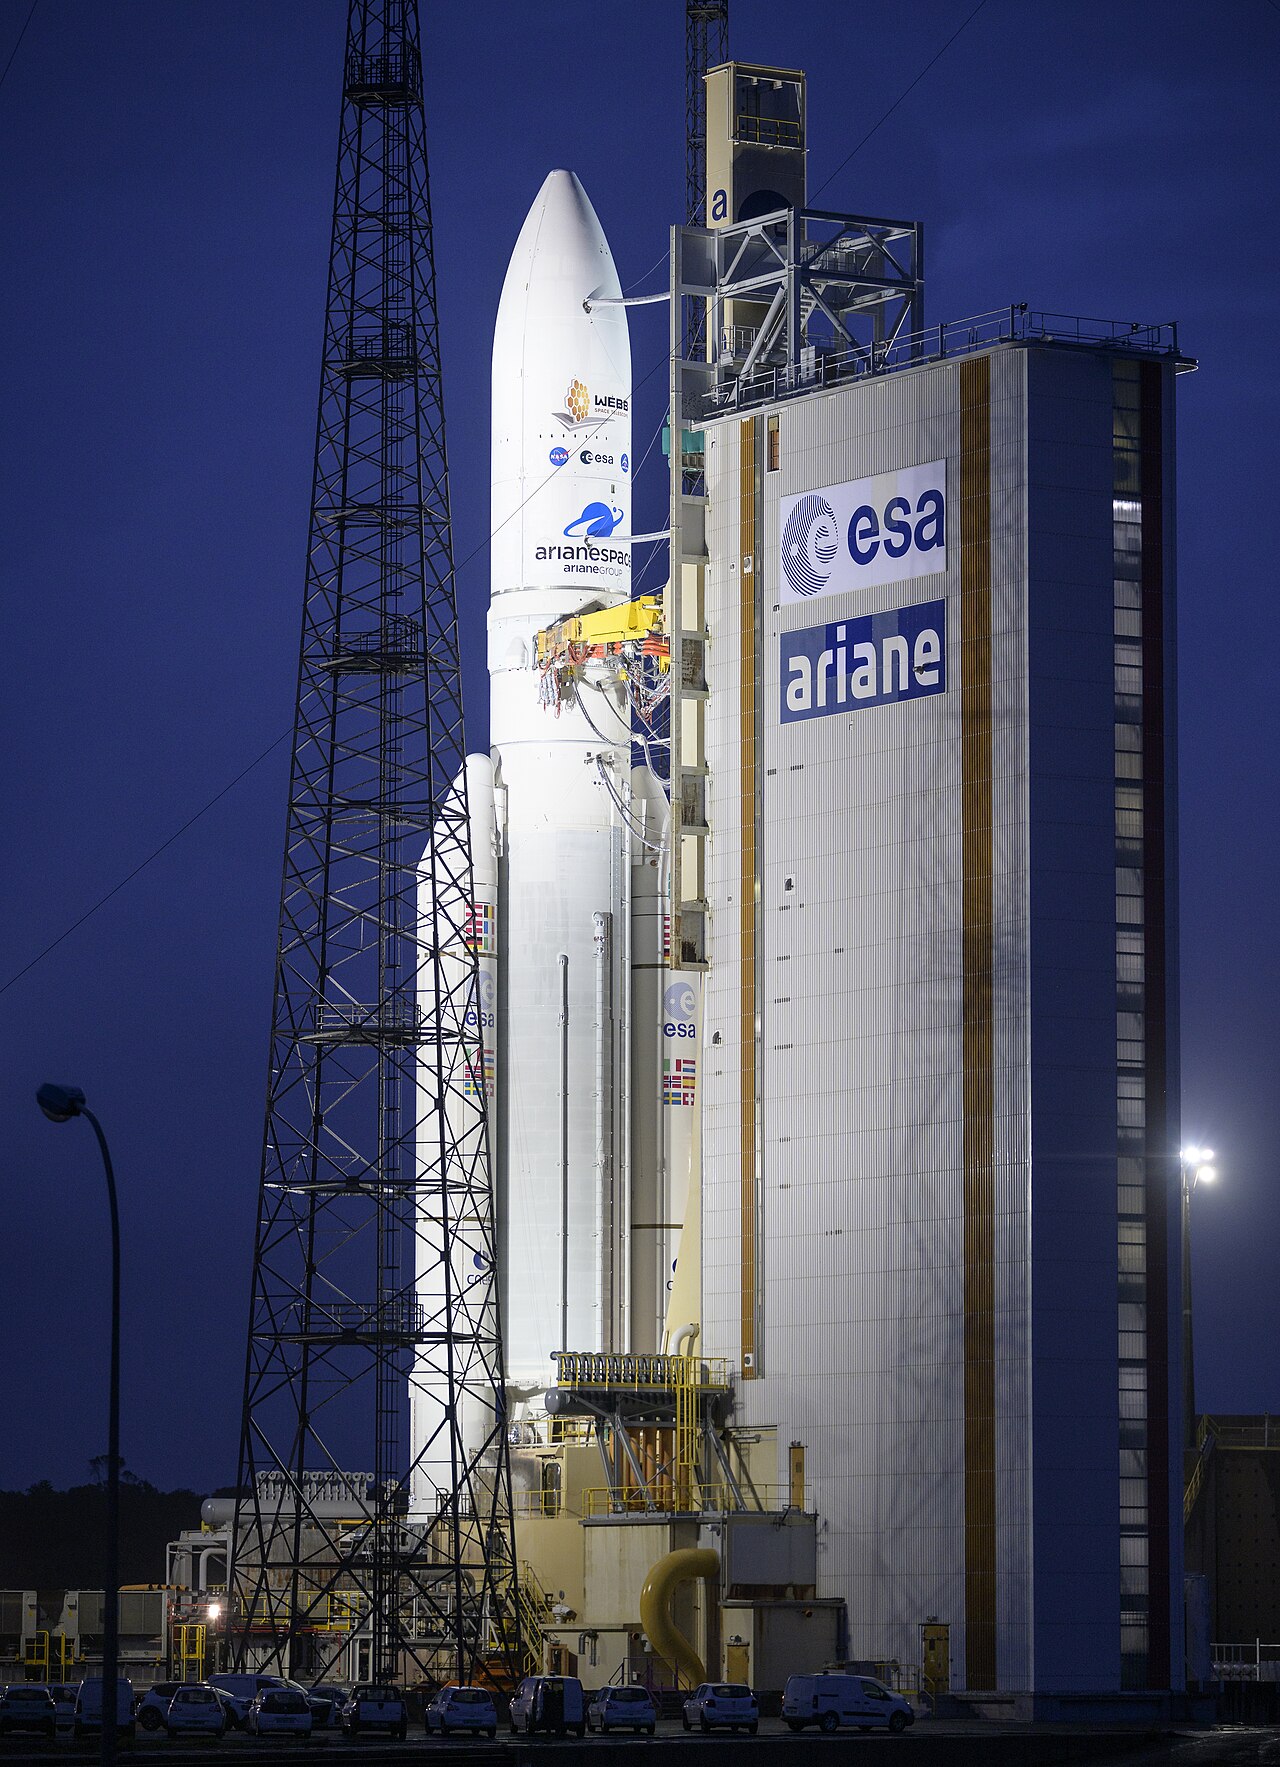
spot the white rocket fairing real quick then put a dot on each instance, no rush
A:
(561, 514)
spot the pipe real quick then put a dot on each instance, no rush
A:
(564, 1149)
(655, 1608)
(684, 1334)
(606, 1200)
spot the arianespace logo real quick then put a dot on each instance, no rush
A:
(856, 536)
(872, 661)
(597, 521)
(580, 407)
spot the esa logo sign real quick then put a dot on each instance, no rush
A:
(873, 661)
(679, 1011)
(856, 536)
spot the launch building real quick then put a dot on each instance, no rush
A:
(827, 914)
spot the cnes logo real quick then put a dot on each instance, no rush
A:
(870, 531)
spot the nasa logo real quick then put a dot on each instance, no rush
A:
(625, 463)
(885, 529)
(679, 1007)
(597, 522)
(558, 456)
(809, 543)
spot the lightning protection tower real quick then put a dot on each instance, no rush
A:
(706, 45)
(374, 1268)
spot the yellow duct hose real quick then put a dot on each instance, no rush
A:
(655, 1608)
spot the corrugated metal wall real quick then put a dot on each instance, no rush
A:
(868, 888)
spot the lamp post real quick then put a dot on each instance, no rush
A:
(60, 1104)
(1197, 1167)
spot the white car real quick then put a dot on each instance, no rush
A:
(153, 1704)
(830, 1701)
(462, 1708)
(196, 1710)
(376, 1708)
(280, 1711)
(240, 1691)
(722, 1705)
(622, 1708)
(28, 1705)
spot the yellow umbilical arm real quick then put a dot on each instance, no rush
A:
(655, 1608)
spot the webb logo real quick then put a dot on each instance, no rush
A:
(855, 536)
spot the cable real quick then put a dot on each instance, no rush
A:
(898, 100)
(18, 45)
(154, 854)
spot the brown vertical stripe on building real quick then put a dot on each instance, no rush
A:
(747, 884)
(979, 1082)
(1160, 1164)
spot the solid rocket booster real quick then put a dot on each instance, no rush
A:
(561, 517)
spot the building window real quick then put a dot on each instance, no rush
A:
(773, 454)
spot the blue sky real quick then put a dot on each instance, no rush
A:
(165, 211)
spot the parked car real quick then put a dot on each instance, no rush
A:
(196, 1709)
(327, 1700)
(376, 1708)
(152, 1705)
(92, 1696)
(28, 1705)
(829, 1701)
(622, 1708)
(280, 1711)
(552, 1703)
(64, 1698)
(722, 1705)
(462, 1708)
(241, 1691)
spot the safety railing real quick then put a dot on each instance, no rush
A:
(544, 1503)
(662, 1497)
(660, 1373)
(768, 131)
(822, 366)
(1249, 1661)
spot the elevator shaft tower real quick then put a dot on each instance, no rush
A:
(375, 1261)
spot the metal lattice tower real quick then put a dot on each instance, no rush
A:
(375, 1266)
(706, 45)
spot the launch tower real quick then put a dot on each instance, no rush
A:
(374, 1270)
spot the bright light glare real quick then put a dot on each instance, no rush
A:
(1197, 1156)
(1206, 1174)
(215, 1610)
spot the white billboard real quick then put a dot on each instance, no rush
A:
(871, 531)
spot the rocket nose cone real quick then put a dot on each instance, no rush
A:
(562, 238)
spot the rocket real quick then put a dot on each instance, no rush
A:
(560, 520)
(569, 839)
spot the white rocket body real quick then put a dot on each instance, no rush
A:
(561, 514)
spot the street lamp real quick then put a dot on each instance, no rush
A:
(1197, 1167)
(60, 1104)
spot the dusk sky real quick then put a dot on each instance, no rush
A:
(167, 194)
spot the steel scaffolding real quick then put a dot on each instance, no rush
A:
(374, 1285)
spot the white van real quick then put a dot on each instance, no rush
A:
(89, 1705)
(551, 1703)
(830, 1700)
